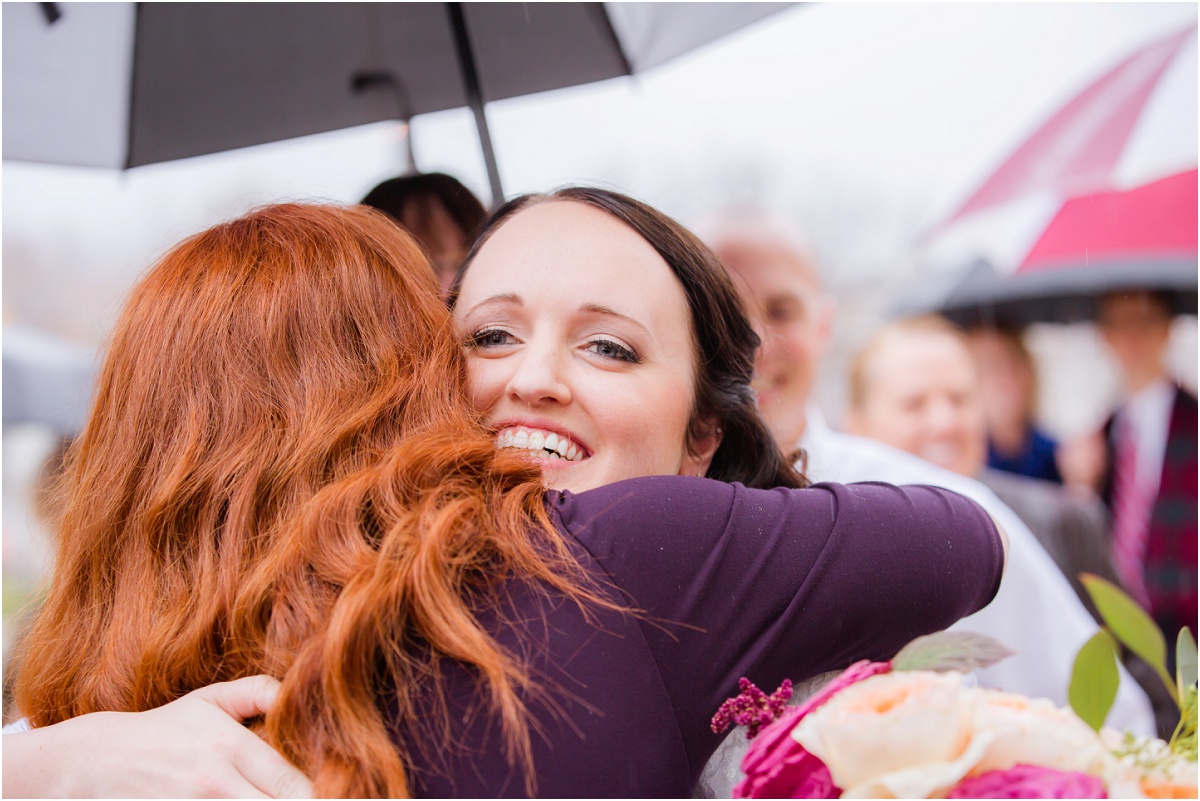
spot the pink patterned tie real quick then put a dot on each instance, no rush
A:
(1132, 501)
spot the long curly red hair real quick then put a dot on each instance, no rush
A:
(281, 474)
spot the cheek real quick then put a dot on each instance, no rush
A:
(485, 381)
(911, 426)
(649, 427)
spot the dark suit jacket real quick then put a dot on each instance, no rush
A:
(1171, 548)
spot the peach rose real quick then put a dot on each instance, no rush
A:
(1033, 731)
(900, 735)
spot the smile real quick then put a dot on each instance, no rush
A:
(540, 444)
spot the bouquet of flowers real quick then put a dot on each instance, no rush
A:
(911, 728)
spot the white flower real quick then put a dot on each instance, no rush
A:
(1036, 732)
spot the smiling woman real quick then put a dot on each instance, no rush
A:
(587, 336)
(594, 319)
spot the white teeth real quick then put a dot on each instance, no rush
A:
(540, 444)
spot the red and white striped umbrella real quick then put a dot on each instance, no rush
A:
(1101, 196)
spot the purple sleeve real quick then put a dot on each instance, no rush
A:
(781, 583)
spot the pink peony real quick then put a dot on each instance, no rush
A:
(1030, 781)
(776, 766)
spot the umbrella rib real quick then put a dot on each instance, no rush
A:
(470, 74)
(133, 96)
(606, 24)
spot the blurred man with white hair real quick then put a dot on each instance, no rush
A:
(916, 386)
(1035, 612)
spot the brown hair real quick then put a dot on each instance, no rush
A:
(724, 338)
(408, 199)
(281, 474)
(861, 361)
(1013, 338)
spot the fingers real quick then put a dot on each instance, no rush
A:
(241, 698)
(271, 774)
(257, 763)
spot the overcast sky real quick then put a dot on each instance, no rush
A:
(868, 122)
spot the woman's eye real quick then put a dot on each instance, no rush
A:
(612, 350)
(490, 338)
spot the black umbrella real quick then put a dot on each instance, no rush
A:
(126, 84)
(982, 296)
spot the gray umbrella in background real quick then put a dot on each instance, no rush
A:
(47, 380)
(125, 84)
(981, 295)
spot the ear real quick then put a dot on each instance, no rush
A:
(699, 453)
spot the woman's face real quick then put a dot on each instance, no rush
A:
(579, 342)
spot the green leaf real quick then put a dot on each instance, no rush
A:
(1185, 660)
(950, 650)
(1130, 624)
(1094, 679)
(1183, 742)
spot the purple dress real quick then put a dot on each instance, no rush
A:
(729, 582)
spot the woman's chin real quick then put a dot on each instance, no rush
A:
(563, 475)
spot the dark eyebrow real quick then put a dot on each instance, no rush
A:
(507, 297)
(597, 309)
(591, 308)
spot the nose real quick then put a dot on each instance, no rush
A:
(945, 417)
(540, 378)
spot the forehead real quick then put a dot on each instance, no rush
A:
(985, 341)
(908, 362)
(564, 248)
(1134, 305)
(767, 268)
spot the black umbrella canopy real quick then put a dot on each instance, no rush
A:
(128, 84)
(981, 295)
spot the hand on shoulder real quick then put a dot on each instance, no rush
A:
(193, 747)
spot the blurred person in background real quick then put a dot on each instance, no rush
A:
(915, 386)
(1143, 463)
(1008, 383)
(442, 214)
(1035, 612)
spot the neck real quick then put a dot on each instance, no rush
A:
(1137, 380)
(789, 428)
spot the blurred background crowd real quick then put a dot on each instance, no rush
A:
(890, 161)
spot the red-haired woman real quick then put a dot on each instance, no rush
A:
(282, 475)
